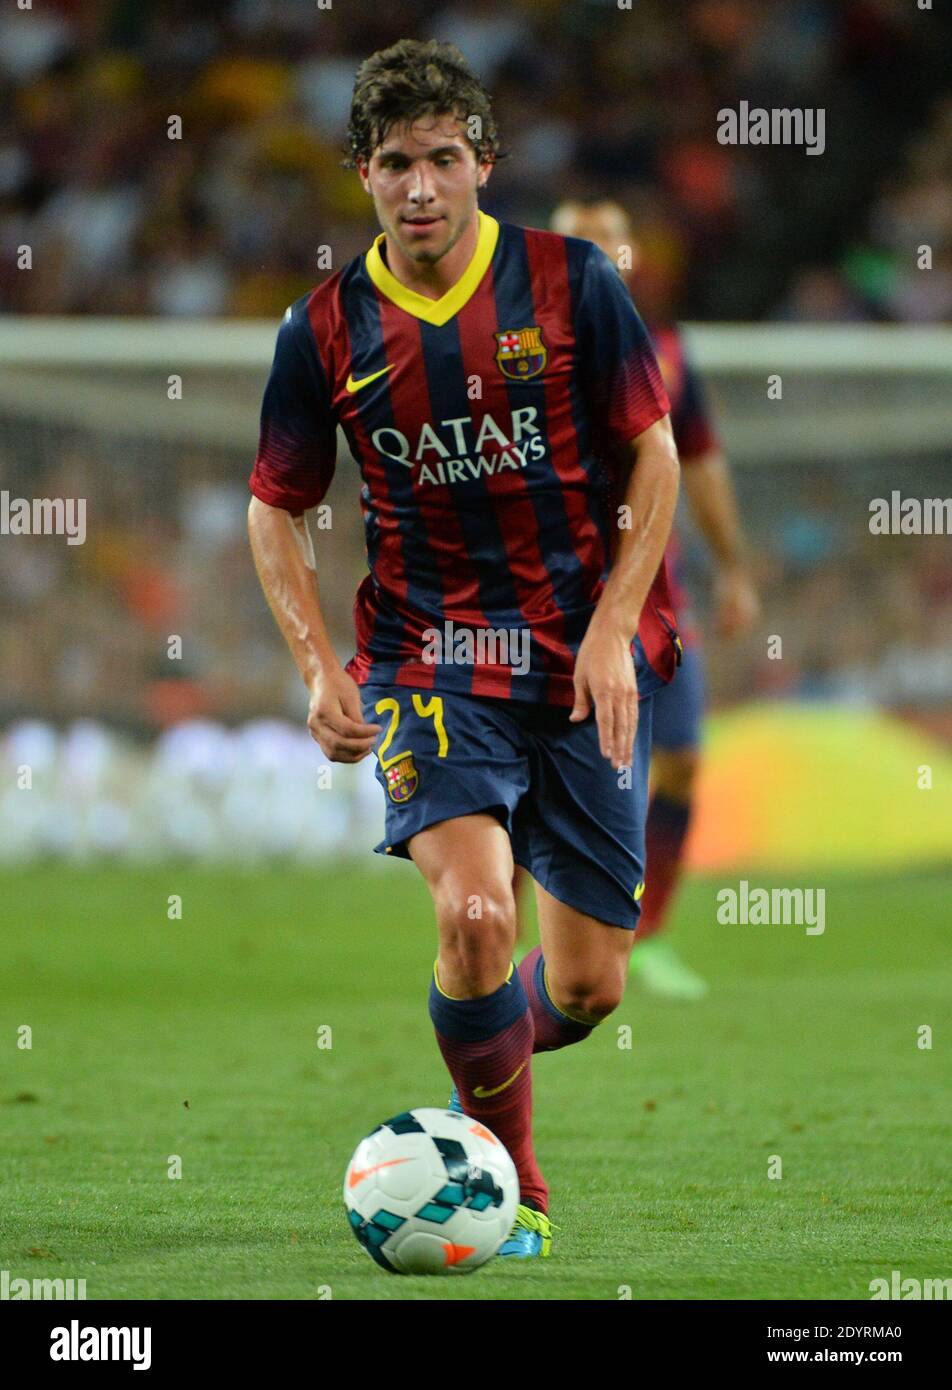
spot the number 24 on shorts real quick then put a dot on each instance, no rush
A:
(429, 709)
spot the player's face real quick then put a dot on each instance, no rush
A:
(423, 179)
(605, 227)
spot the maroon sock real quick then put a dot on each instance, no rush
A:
(487, 1046)
(665, 834)
(552, 1028)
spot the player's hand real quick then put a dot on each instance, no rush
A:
(605, 675)
(336, 718)
(736, 604)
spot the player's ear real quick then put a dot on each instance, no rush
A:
(485, 169)
(362, 172)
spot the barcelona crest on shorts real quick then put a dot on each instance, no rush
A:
(520, 353)
(402, 779)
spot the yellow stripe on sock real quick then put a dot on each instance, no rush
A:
(436, 980)
(458, 999)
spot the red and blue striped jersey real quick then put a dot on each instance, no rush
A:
(695, 435)
(489, 428)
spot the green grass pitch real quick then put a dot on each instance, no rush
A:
(198, 1038)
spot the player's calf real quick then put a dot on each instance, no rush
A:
(674, 772)
(477, 1002)
(486, 1042)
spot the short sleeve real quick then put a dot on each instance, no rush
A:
(616, 358)
(694, 431)
(297, 446)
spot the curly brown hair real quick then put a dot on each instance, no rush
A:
(410, 79)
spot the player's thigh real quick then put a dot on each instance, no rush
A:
(586, 960)
(454, 768)
(443, 757)
(467, 865)
(676, 729)
(581, 834)
(679, 706)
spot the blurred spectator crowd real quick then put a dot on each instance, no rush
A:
(201, 790)
(590, 97)
(159, 617)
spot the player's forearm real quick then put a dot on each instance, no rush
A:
(284, 559)
(713, 503)
(650, 500)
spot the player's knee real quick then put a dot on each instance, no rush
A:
(598, 1004)
(477, 931)
(675, 773)
(590, 1001)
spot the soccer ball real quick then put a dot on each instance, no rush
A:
(431, 1192)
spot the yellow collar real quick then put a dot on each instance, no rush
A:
(437, 311)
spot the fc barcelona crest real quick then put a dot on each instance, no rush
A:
(521, 353)
(402, 779)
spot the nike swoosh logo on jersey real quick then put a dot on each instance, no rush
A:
(353, 384)
(494, 1090)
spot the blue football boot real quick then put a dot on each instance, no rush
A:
(530, 1237)
(531, 1234)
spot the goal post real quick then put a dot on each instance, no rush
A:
(786, 391)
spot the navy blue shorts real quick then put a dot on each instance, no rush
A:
(575, 822)
(679, 707)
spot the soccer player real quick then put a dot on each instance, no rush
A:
(677, 708)
(519, 478)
